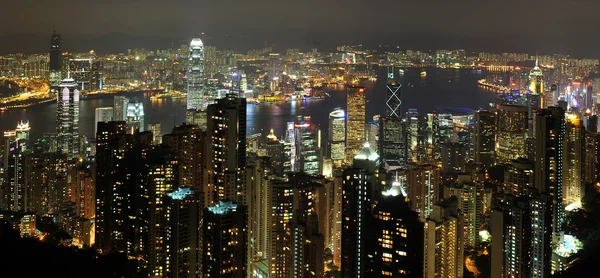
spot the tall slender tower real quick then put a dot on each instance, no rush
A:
(391, 143)
(195, 75)
(573, 186)
(55, 61)
(355, 121)
(67, 117)
(225, 155)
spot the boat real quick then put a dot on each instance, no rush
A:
(423, 73)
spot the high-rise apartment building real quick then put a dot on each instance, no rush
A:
(186, 141)
(225, 150)
(224, 240)
(523, 226)
(573, 186)
(444, 242)
(549, 161)
(519, 177)
(423, 188)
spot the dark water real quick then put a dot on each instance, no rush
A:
(442, 88)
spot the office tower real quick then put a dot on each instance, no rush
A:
(573, 187)
(415, 136)
(391, 143)
(135, 117)
(181, 256)
(511, 133)
(355, 121)
(274, 73)
(120, 108)
(97, 76)
(274, 150)
(358, 184)
(160, 176)
(196, 117)
(536, 80)
(483, 138)
(156, 133)
(393, 96)
(470, 195)
(453, 157)
(224, 240)
(56, 61)
(550, 160)
(290, 149)
(81, 71)
(423, 188)
(195, 75)
(444, 242)
(397, 247)
(372, 129)
(103, 114)
(308, 148)
(187, 143)
(225, 150)
(519, 177)
(67, 118)
(533, 102)
(523, 226)
(122, 196)
(337, 137)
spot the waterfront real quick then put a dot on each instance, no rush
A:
(441, 90)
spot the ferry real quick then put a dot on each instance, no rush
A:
(423, 73)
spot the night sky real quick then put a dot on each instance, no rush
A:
(567, 26)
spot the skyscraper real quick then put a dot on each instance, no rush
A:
(355, 121)
(56, 62)
(444, 241)
(186, 141)
(393, 97)
(512, 132)
(156, 133)
(195, 75)
(135, 116)
(358, 185)
(423, 188)
(483, 143)
(573, 187)
(549, 161)
(308, 144)
(120, 108)
(523, 227)
(470, 197)
(224, 240)
(397, 238)
(337, 137)
(519, 177)
(122, 196)
(67, 118)
(103, 114)
(225, 150)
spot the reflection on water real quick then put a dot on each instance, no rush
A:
(441, 87)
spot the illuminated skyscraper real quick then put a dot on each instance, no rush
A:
(81, 71)
(308, 143)
(195, 75)
(122, 195)
(103, 114)
(13, 186)
(355, 121)
(550, 161)
(337, 137)
(156, 133)
(444, 241)
(483, 142)
(393, 98)
(423, 188)
(523, 226)
(186, 141)
(67, 118)
(536, 80)
(391, 143)
(56, 62)
(224, 240)
(470, 197)
(225, 155)
(397, 238)
(573, 187)
(519, 177)
(120, 108)
(135, 116)
(512, 132)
